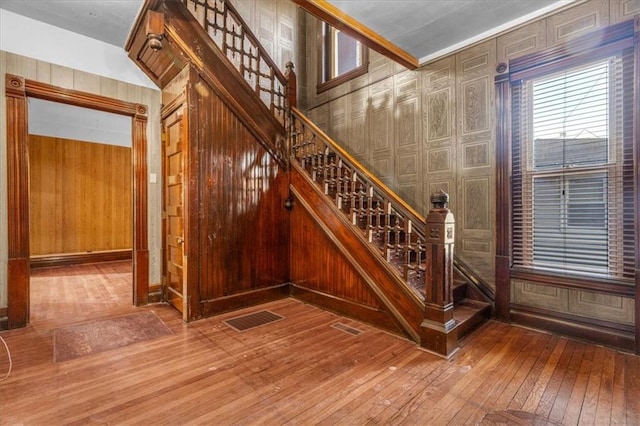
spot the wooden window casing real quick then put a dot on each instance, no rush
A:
(615, 43)
(340, 58)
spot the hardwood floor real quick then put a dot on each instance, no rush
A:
(299, 370)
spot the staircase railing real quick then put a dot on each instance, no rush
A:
(391, 225)
(232, 35)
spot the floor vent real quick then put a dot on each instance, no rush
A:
(249, 321)
(347, 329)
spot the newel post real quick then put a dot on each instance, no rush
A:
(438, 327)
(292, 85)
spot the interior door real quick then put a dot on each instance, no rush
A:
(175, 267)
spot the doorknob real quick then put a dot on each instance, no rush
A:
(179, 240)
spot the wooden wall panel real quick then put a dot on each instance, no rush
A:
(242, 222)
(317, 264)
(80, 196)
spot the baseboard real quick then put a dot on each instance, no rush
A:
(4, 319)
(79, 258)
(366, 314)
(574, 328)
(155, 294)
(242, 300)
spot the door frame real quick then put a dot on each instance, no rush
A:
(17, 90)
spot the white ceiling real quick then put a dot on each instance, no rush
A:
(431, 28)
(106, 20)
(423, 28)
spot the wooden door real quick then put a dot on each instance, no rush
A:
(175, 267)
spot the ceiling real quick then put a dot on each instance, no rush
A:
(428, 28)
(106, 20)
(423, 28)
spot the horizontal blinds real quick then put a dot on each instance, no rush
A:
(573, 170)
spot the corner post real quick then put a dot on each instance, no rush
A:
(438, 333)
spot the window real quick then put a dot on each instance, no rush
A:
(341, 58)
(573, 202)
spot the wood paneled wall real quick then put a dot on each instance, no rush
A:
(80, 196)
(243, 226)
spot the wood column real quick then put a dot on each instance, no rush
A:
(437, 330)
(18, 202)
(140, 239)
(503, 194)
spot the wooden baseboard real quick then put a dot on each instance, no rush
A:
(575, 328)
(79, 258)
(4, 320)
(155, 293)
(242, 300)
(366, 314)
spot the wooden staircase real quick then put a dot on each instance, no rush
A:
(400, 263)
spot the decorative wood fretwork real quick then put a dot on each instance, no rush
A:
(387, 222)
(232, 35)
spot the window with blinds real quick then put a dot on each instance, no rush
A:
(573, 171)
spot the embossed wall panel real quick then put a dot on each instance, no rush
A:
(357, 125)
(379, 67)
(576, 21)
(383, 169)
(407, 128)
(409, 192)
(475, 101)
(474, 158)
(622, 10)
(601, 306)
(528, 39)
(381, 123)
(438, 115)
(439, 160)
(475, 204)
(475, 155)
(338, 120)
(545, 297)
(266, 27)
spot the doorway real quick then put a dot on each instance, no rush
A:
(18, 90)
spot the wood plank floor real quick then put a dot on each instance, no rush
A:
(299, 370)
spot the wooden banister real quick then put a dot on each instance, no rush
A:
(232, 35)
(420, 250)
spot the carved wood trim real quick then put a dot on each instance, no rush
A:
(338, 19)
(17, 90)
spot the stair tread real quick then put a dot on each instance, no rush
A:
(467, 308)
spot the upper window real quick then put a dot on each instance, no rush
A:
(341, 58)
(573, 166)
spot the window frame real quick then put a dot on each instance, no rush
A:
(599, 44)
(326, 59)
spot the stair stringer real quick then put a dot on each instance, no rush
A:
(393, 299)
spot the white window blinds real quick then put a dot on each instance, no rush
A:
(573, 169)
